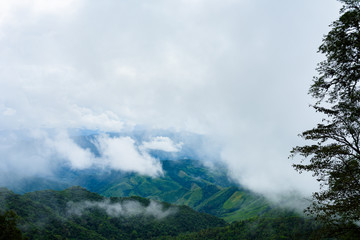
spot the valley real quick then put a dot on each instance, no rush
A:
(190, 201)
(185, 182)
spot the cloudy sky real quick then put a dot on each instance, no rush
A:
(236, 71)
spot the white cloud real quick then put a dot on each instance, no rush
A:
(38, 152)
(66, 148)
(118, 153)
(23, 155)
(9, 111)
(162, 143)
(237, 71)
(86, 118)
(20, 13)
(122, 154)
(128, 208)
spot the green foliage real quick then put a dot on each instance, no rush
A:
(189, 183)
(283, 226)
(8, 226)
(48, 215)
(185, 181)
(334, 157)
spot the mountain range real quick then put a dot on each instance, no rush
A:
(185, 182)
(190, 200)
(76, 213)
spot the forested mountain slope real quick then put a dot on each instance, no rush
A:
(283, 225)
(185, 182)
(194, 186)
(76, 213)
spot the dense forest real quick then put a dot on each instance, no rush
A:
(76, 213)
(280, 227)
(185, 182)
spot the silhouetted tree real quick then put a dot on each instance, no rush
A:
(334, 157)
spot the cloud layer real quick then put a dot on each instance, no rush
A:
(163, 144)
(236, 71)
(129, 208)
(39, 153)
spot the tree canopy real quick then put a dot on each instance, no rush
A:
(8, 227)
(334, 155)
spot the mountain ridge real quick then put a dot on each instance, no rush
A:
(76, 213)
(185, 182)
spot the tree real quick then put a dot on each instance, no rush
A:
(334, 156)
(8, 228)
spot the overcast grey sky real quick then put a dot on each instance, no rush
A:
(237, 71)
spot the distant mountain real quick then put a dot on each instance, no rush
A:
(76, 213)
(190, 183)
(185, 182)
(193, 146)
(126, 205)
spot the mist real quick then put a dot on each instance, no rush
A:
(39, 153)
(128, 208)
(234, 72)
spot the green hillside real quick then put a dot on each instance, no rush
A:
(187, 182)
(282, 226)
(76, 213)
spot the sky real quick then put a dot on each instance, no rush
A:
(234, 71)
